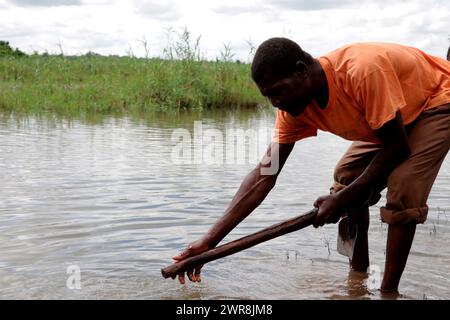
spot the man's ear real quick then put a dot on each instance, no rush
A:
(301, 68)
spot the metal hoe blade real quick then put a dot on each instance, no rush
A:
(347, 234)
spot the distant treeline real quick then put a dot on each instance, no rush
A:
(7, 51)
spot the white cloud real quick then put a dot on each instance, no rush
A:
(111, 27)
(158, 9)
(45, 3)
(234, 10)
(3, 5)
(307, 5)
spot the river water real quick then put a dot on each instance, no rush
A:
(94, 210)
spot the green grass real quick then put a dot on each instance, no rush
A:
(93, 84)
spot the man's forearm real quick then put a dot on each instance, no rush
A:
(376, 174)
(395, 150)
(251, 193)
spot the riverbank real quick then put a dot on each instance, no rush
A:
(94, 84)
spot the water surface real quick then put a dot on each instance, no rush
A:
(108, 198)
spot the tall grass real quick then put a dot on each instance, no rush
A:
(181, 80)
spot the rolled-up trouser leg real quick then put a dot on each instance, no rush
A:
(409, 184)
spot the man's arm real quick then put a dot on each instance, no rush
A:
(394, 151)
(253, 190)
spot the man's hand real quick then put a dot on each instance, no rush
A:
(333, 206)
(330, 209)
(364, 190)
(193, 249)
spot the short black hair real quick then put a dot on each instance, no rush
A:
(278, 56)
(448, 54)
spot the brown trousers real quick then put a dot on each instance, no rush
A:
(409, 184)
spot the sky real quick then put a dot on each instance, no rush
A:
(122, 27)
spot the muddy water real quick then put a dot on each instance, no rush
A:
(109, 202)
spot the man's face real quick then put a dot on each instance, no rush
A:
(291, 94)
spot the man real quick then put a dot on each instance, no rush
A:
(392, 100)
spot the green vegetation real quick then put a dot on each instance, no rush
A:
(95, 84)
(7, 51)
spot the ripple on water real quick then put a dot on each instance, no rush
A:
(108, 199)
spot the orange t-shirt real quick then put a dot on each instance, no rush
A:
(368, 83)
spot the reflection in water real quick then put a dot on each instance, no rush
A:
(104, 195)
(357, 284)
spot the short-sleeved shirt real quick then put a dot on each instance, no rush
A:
(368, 83)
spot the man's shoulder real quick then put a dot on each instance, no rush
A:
(359, 50)
(361, 59)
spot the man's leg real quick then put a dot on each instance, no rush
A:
(409, 186)
(400, 239)
(360, 259)
(350, 167)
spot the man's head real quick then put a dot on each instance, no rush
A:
(282, 71)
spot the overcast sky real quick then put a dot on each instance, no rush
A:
(113, 26)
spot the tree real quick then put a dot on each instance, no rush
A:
(6, 50)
